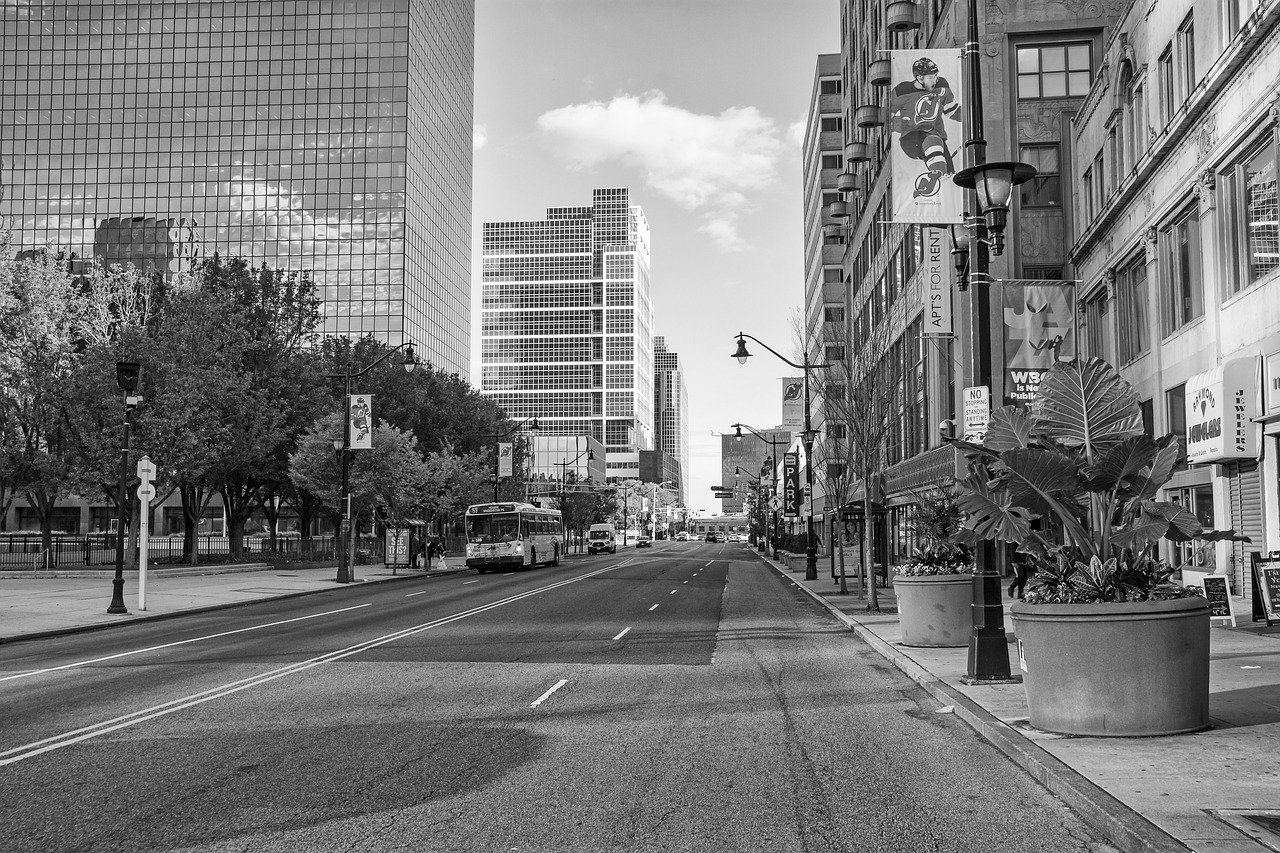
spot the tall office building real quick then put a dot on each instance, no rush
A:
(566, 329)
(754, 455)
(327, 136)
(671, 410)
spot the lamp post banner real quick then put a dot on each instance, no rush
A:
(936, 277)
(504, 459)
(360, 415)
(924, 107)
(791, 491)
(1039, 329)
(793, 402)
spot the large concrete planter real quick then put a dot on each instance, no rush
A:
(934, 610)
(1116, 670)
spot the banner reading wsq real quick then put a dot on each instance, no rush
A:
(925, 123)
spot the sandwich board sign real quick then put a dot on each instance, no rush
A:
(1266, 588)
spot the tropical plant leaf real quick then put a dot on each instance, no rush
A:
(973, 453)
(1087, 405)
(1120, 463)
(991, 515)
(1146, 485)
(1008, 429)
(1047, 483)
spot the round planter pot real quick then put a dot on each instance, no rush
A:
(1128, 669)
(934, 610)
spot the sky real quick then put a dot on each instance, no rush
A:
(697, 106)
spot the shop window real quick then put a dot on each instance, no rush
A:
(1196, 554)
(1251, 232)
(1181, 273)
(1176, 415)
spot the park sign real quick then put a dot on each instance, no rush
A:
(791, 494)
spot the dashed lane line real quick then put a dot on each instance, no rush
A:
(622, 633)
(536, 702)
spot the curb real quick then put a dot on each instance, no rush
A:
(132, 620)
(1127, 829)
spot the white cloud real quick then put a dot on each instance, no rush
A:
(479, 136)
(795, 134)
(707, 163)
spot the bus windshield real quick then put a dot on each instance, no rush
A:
(483, 529)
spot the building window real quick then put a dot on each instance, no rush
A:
(1164, 71)
(833, 353)
(1135, 118)
(1100, 179)
(1238, 12)
(1095, 318)
(1132, 338)
(1045, 189)
(1042, 273)
(1088, 195)
(1181, 274)
(833, 313)
(1114, 152)
(1251, 230)
(1175, 404)
(830, 123)
(1186, 42)
(1054, 70)
(832, 275)
(1147, 409)
(830, 198)
(837, 431)
(833, 161)
(829, 87)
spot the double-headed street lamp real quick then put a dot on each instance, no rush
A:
(807, 436)
(497, 451)
(772, 462)
(343, 448)
(992, 187)
(653, 507)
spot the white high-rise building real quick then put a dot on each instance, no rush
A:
(671, 409)
(566, 327)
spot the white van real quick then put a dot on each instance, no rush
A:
(600, 539)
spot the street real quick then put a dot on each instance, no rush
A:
(683, 698)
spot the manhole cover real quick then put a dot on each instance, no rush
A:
(1262, 825)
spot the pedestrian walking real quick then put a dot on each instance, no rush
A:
(1021, 571)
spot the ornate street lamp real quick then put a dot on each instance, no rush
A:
(128, 380)
(497, 451)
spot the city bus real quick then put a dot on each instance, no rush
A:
(512, 535)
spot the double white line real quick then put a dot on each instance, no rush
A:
(30, 750)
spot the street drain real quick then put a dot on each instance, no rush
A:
(1262, 825)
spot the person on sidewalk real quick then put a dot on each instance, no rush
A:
(1021, 571)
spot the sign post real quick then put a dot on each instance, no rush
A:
(146, 491)
(977, 413)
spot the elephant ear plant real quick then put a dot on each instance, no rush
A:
(1073, 483)
(936, 521)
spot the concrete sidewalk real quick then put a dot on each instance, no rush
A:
(1144, 794)
(62, 603)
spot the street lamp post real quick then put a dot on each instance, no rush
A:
(653, 508)
(497, 451)
(807, 437)
(346, 527)
(128, 380)
(772, 517)
(992, 186)
(758, 482)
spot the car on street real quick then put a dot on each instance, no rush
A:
(600, 539)
(715, 537)
(643, 541)
(682, 536)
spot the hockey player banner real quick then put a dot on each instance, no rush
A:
(793, 402)
(936, 284)
(925, 122)
(360, 423)
(1039, 329)
(505, 456)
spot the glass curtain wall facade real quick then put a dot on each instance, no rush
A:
(566, 326)
(671, 410)
(329, 137)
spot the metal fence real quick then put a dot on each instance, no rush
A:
(98, 550)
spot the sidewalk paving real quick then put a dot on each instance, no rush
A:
(1144, 794)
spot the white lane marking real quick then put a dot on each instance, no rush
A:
(653, 608)
(708, 564)
(464, 583)
(508, 574)
(92, 661)
(536, 702)
(683, 581)
(623, 633)
(412, 594)
(30, 750)
(673, 592)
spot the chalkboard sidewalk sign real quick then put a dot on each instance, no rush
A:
(1266, 587)
(1217, 588)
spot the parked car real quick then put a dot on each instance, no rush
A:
(682, 536)
(643, 541)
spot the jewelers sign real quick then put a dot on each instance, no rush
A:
(936, 278)
(1221, 406)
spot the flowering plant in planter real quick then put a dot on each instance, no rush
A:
(1073, 483)
(936, 520)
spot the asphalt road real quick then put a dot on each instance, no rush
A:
(685, 698)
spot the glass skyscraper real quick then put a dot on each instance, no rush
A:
(566, 328)
(671, 409)
(332, 137)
